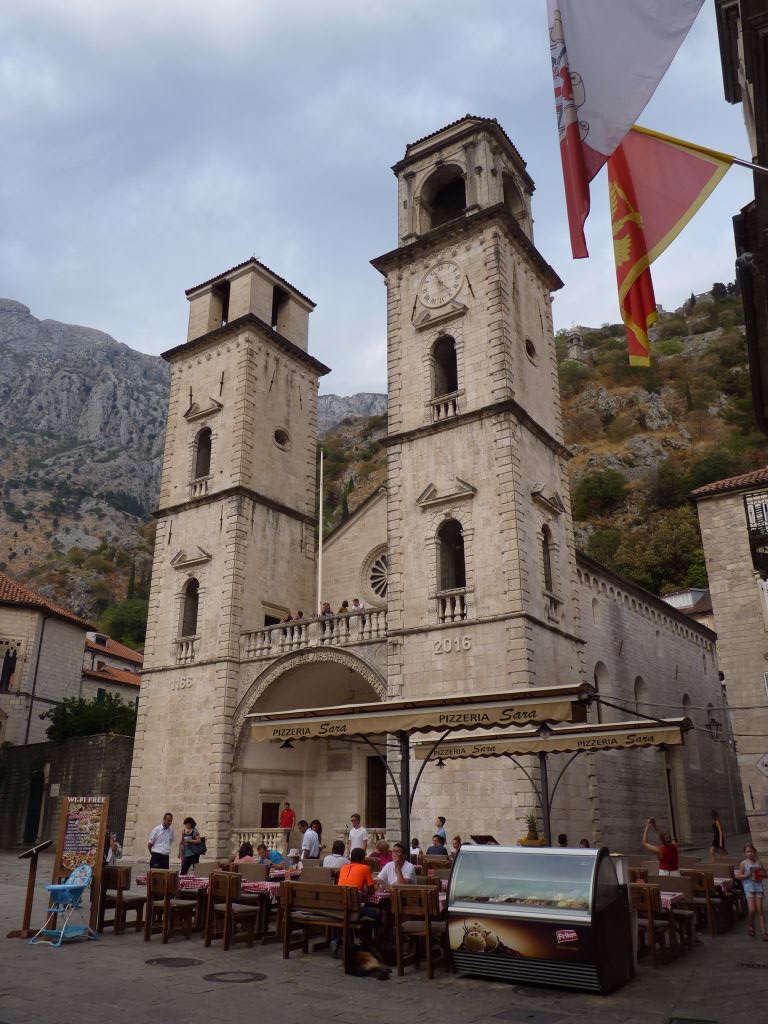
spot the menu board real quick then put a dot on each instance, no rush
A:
(85, 818)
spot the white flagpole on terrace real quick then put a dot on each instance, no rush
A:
(320, 541)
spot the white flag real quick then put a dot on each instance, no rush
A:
(608, 56)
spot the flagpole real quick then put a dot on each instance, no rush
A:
(320, 541)
(705, 150)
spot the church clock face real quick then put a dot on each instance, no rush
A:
(440, 284)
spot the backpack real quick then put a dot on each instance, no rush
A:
(202, 848)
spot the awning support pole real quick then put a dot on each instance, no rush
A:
(545, 797)
(405, 790)
(560, 775)
(426, 761)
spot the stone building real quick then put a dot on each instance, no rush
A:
(465, 561)
(110, 667)
(41, 659)
(733, 515)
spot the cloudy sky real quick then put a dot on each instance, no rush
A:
(151, 144)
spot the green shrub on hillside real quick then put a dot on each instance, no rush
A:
(661, 557)
(598, 493)
(603, 545)
(126, 622)
(670, 347)
(573, 377)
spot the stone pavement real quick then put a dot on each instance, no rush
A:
(723, 979)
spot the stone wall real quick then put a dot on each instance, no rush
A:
(86, 765)
(741, 612)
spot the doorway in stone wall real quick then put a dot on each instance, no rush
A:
(375, 793)
(34, 807)
(270, 813)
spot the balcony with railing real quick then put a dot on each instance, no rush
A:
(452, 605)
(445, 407)
(185, 649)
(342, 630)
(199, 488)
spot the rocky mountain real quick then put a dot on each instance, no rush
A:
(332, 409)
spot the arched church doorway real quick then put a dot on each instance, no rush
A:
(328, 779)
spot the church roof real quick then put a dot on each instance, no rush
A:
(733, 483)
(256, 263)
(14, 593)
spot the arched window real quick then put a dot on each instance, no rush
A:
(452, 573)
(641, 696)
(446, 373)
(190, 604)
(514, 201)
(546, 559)
(444, 197)
(601, 679)
(203, 453)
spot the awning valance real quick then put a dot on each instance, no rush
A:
(560, 740)
(459, 711)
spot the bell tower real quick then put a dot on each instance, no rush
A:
(235, 545)
(482, 575)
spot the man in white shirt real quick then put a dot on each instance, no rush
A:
(310, 843)
(399, 871)
(336, 858)
(160, 842)
(358, 836)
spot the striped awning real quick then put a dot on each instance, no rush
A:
(528, 707)
(560, 740)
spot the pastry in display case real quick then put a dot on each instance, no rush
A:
(554, 916)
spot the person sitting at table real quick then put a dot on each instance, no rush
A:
(455, 847)
(266, 856)
(438, 847)
(336, 858)
(416, 854)
(382, 853)
(399, 871)
(356, 873)
(583, 844)
(667, 852)
(294, 864)
(245, 854)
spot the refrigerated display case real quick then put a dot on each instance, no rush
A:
(552, 916)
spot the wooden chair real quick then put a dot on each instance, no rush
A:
(638, 875)
(165, 912)
(115, 883)
(683, 916)
(317, 876)
(305, 906)
(705, 900)
(416, 917)
(436, 863)
(646, 900)
(205, 870)
(238, 921)
(253, 872)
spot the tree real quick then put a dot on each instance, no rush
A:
(719, 291)
(602, 545)
(126, 622)
(598, 493)
(76, 716)
(661, 557)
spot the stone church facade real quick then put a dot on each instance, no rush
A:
(465, 561)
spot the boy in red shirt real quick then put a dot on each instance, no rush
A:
(287, 820)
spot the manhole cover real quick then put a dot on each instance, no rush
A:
(235, 977)
(174, 961)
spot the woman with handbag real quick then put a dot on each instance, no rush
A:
(192, 845)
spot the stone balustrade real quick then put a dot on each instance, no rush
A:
(452, 605)
(445, 406)
(185, 649)
(199, 488)
(274, 838)
(322, 631)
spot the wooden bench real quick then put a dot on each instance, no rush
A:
(305, 905)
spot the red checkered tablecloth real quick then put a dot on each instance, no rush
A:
(726, 884)
(669, 898)
(272, 888)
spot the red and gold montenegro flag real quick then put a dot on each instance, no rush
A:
(656, 184)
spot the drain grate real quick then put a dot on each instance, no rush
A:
(174, 961)
(691, 1020)
(235, 977)
(753, 965)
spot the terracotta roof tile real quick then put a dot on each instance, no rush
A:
(733, 483)
(256, 263)
(114, 648)
(112, 675)
(13, 592)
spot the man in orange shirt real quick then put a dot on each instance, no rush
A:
(356, 873)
